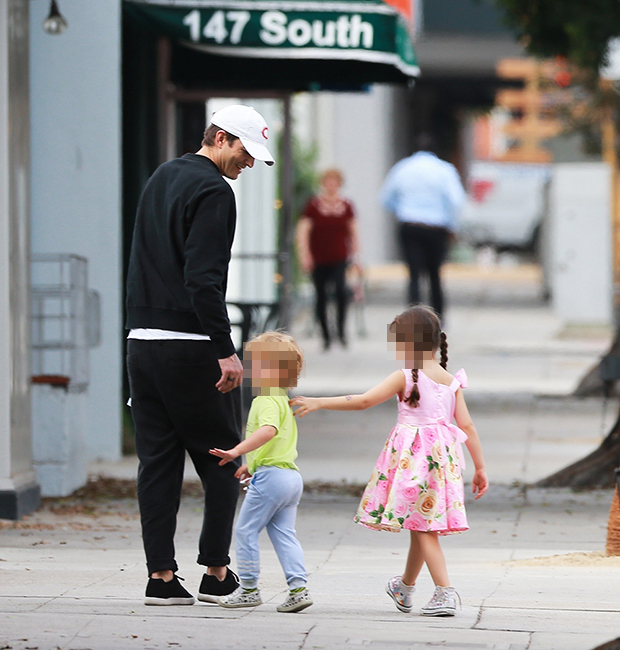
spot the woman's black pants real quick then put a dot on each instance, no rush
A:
(324, 277)
(177, 409)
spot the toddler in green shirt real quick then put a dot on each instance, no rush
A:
(274, 361)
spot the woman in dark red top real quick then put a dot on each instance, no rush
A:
(327, 240)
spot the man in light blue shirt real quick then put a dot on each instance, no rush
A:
(426, 196)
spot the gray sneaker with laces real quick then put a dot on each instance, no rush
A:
(443, 602)
(401, 594)
(296, 601)
(240, 598)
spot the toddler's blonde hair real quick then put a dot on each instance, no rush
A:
(286, 348)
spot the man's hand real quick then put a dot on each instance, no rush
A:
(232, 374)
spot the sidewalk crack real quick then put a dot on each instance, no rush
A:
(78, 632)
(329, 554)
(515, 526)
(306, 635)
(529, 439)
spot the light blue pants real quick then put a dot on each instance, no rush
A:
(271, 501)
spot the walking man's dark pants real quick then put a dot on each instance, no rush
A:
(424, 250)
(176, 407)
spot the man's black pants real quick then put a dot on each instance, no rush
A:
(424, 249)
(176, 408)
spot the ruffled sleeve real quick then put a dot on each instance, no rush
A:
(459, 381)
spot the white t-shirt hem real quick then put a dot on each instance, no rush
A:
(150, 334)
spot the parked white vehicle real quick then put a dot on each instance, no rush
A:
(505, 203)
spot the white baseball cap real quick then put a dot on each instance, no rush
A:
(249, 126)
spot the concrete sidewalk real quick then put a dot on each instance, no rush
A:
(531, 570)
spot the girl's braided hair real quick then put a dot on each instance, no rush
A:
(420, 325)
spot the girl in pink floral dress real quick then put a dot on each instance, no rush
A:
(417, 483)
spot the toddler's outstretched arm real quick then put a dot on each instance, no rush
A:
(394, 384)
(256, 440)
(480, 482)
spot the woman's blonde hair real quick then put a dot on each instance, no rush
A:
(284, 347)
(332, 171)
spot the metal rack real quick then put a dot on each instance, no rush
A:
(65, 320)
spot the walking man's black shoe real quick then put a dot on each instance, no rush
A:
(159, 592)
(211, 588)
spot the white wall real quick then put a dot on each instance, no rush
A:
(580, 272)
(354, 133)
(76, 178)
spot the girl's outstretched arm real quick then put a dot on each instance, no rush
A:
(480, 482)
(394, 384)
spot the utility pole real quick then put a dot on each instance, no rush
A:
(609, 136)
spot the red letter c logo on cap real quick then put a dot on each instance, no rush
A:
(265, 133)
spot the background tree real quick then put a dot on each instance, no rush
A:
(576, 29)
(580, 31)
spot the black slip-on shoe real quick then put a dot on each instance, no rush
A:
(159, 592)
(211, 588)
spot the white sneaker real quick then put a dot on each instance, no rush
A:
(296, 601)
(443, 602)
(401, 594)
(240, 598)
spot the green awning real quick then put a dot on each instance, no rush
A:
(362, 41)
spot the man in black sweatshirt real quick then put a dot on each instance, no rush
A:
(184, 374)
